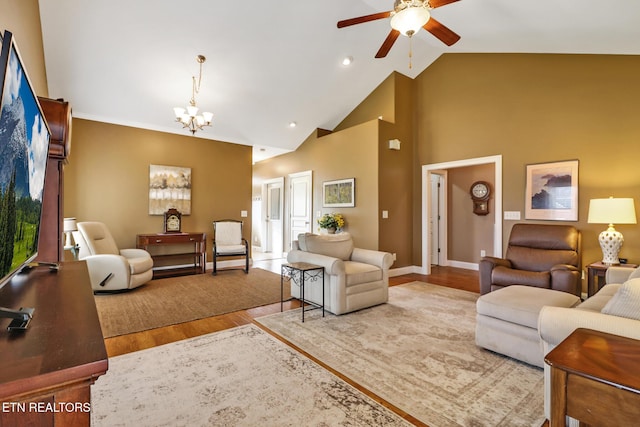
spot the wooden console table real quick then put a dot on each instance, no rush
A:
(166, 248)
(595, 378)
(46, 371)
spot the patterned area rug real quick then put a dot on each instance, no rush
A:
(238, 377)
(173, 300)
(418, 352)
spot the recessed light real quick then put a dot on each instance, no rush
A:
(347, 60)
(292, 124)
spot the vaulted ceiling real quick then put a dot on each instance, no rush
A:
(270, 63)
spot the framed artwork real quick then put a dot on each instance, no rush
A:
(552, 191)
(339, 194)
(169, 187)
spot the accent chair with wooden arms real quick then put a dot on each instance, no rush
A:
(111, 269)
(228, 242)
(540, 255)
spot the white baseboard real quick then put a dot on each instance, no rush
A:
(403, 270)
(465, 265)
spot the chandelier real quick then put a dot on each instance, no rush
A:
(189, 117)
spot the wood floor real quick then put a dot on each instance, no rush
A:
(445, 276)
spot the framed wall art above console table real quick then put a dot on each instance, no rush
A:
(175, 254)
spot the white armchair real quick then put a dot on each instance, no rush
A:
(354, 278)
(111, 269)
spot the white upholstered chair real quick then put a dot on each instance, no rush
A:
(228, 242)
(111, 269)
(354, 278)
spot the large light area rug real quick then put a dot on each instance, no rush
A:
(418, 353)
(169, 301)
(238, 377)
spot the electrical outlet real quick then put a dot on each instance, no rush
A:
(394, 256)
(483, 253)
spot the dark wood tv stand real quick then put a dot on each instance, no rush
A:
(46, 371)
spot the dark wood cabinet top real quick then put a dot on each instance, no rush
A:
(64, 342)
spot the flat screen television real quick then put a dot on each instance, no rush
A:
(24, 148)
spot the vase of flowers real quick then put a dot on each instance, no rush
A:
(332, 222)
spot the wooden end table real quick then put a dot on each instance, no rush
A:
(299, 273)
(596, 273)
(595, 378)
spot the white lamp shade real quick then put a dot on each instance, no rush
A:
(409, 20)
(69, 224)
(612, 211)
(207, 117)
(179, 111)
(192, 110)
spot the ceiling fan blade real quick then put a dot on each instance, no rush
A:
(444, 34)
(388, 43)
(438, 3)
(363, 19)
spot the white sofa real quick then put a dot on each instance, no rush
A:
(614, 309)
(354, 278)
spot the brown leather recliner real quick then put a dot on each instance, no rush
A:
(546, 256)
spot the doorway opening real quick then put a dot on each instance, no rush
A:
(437, 226)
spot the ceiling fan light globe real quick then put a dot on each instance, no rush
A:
(408, 21)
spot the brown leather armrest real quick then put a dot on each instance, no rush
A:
(566, 278)
(487, 264)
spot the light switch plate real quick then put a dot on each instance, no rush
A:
(512, 215)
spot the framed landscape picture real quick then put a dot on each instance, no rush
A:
(339, 194)
(552, 191)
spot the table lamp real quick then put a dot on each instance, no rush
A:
(68, 227)
(610, 211)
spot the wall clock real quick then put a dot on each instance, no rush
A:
(480, 192)
(172, 221)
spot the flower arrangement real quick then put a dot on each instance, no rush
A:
(332, 220)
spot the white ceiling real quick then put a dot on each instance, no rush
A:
(269, 63)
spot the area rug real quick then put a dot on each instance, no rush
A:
(238, 377)
(418, 352)
(175, 300)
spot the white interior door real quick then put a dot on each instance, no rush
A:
(274, 240)
(301, 189)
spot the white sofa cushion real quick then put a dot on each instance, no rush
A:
(358, 272)
(626, 301)
(334, 245)
(521, 304)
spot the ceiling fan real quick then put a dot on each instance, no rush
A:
(407, 17)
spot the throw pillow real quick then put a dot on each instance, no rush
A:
(636, 273)
(626, 301)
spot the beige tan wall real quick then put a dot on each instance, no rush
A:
(107, 178)
(22, 18)
(467, 232)
(346, 154)
(533, 109)
(396, 173)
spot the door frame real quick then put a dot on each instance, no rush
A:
(425, 268)
(265, 206)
